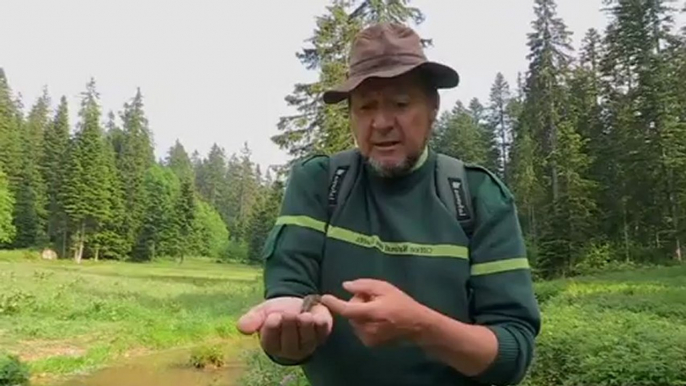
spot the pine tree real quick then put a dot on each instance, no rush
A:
(110, 240)
(7, 228)
(641, 104)
(265, 214)
(185, 217)
(31, 200)
(500, 123)
(550, 58)
(86, 193)
(179, 162)
(134, 157)
(10, 143)
(55, 146)
(159, 232)
(458, 134)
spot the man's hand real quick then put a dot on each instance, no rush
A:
(284, 331)
(378, 311)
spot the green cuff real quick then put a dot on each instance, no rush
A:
(505, 369)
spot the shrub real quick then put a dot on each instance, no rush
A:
(13, 372)
(586, 346)
(624, 328)
(207, 355)
(263, 372)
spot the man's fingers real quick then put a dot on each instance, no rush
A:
(290, 338)
(307, 333)
(334, 304)
(366, 287)
(323, 322)
(251, 321)
(354, 310)
(270, 334)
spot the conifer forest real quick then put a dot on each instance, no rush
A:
(163, 248)
(592, 142)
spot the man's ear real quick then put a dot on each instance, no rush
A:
(437, 104)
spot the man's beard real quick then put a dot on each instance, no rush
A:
(398, 169)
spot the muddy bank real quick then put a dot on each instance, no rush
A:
(170, 367)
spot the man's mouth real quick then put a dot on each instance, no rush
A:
(386, 144)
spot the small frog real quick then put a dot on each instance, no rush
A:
(310, 301)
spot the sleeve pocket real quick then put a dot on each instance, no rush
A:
(270, 242)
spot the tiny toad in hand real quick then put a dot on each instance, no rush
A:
(310, 301)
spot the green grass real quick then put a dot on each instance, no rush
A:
(623, 328)
(62, 318)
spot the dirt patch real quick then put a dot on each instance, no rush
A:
(171, 367)
(32, 350)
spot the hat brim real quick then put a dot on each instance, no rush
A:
(440, 76)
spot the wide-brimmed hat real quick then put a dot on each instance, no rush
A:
(387, 50)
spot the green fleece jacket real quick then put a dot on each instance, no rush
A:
(398, 230)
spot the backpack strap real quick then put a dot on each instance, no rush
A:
(453, 190)
(340, 165)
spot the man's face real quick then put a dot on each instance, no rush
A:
(391, 120)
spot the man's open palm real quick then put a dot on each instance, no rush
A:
(285, 332)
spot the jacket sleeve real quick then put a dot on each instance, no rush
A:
(292, 251)
(502, 297)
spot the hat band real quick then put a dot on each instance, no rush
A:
(384, 62)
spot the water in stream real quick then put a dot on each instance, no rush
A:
(167, 368)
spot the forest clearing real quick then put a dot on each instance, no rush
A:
(63, 319)
(66, 321)
(159, 242)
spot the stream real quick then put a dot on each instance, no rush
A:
(167, 368)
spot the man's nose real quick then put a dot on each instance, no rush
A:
(382, 120)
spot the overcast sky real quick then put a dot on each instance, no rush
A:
(216, 71)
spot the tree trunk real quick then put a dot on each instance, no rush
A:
(626, 233)
(64, 242)
(80, 241)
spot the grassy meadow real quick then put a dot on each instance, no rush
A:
(608, 329)
(621, 328)
(61, 318)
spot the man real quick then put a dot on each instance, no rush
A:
(409, 296)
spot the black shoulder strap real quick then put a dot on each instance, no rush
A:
(453, 190)
(341, 165)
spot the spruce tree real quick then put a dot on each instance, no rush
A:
(7, 228)
(185, 217)
(31, 200)
(55, 146)
(500, 123)
(179, 162)
(459, 134)
(86, 193)
(134, 157)
(10, 142)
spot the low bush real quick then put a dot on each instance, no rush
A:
(207, 356)
(13, 372)
(627, 328)
(262, 372)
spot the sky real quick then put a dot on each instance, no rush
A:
(214, 71)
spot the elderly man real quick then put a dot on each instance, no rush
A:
(419, 259)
